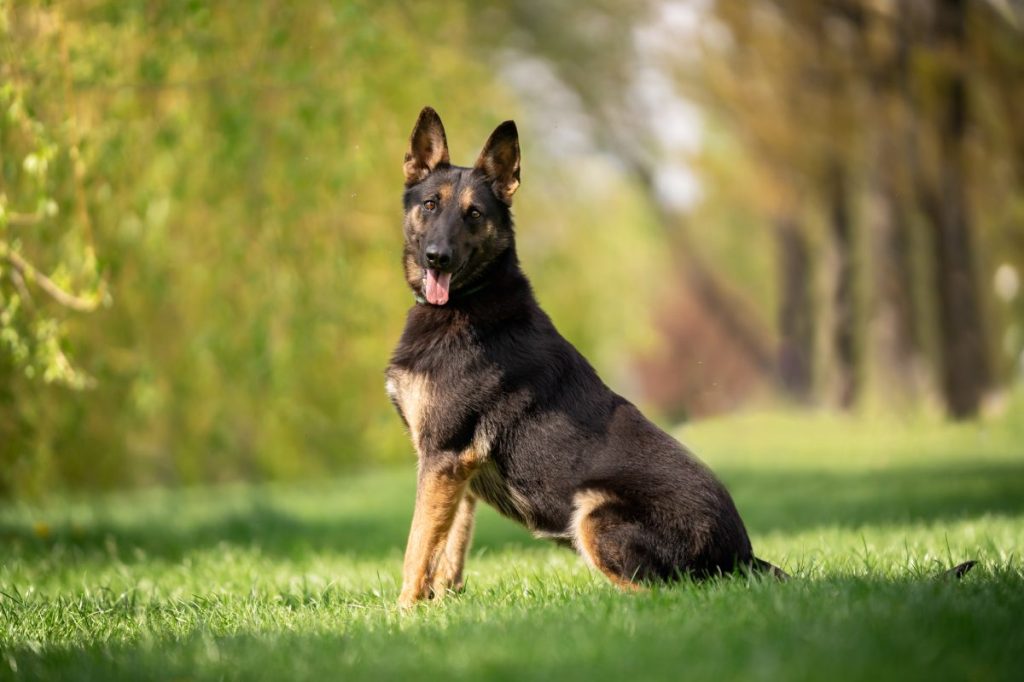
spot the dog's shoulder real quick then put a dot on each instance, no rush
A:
(441, 379)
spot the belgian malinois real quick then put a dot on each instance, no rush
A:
(501, 408)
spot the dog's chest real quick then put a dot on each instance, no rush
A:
(441, 413)
(413, 394)
(432, 416)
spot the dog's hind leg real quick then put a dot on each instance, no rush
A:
(608, 541)
(448, 572)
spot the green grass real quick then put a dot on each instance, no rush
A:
(299, 582)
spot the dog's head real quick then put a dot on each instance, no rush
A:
(457, 219)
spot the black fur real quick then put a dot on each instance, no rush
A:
(500, 374)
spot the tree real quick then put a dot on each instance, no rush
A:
(42, 216)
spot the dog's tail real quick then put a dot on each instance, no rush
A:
(957, 572)
(762, 566)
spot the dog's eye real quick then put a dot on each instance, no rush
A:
(430, 204)
(475, 214)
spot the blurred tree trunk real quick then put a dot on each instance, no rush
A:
(796, 310)
(600, 77)
(843, 336)
(715, 296)
(896, 343)
(894, 334)
(965, 364)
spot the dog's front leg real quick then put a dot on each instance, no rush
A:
(448, 572)
(438, 493)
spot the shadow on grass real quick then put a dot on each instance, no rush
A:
(372, 526)
(869, 629)
(781, 500)
(375, 524)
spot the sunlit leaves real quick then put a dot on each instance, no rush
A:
(34, 145)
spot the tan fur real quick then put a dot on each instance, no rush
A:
(412, 394)
(492, 488)
(583, 503)
(428, 147)
(447, 575)
(413, 271)
(416, 218)
(438, 495)
(466, 198)
(510, 188)
(443, 519)
(444, 193)
(586, 538)
(414, 172)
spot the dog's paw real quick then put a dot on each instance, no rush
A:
(411, 595)
(407, 600)
(442, 587)
(446, 578)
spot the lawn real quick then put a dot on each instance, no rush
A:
(300, 581)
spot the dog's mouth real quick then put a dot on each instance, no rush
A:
(436, 285)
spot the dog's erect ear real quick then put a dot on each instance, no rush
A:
(499, 161)
(428, 147)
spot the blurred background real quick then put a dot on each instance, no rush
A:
(726, 205)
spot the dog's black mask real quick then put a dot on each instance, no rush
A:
(457, 219)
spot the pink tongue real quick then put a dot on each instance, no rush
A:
(437, 286)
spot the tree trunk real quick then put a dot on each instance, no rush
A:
(894, 336)
(717, 298)
(965, 366)
(844, 307)
(796, 311)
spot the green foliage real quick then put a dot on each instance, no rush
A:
(241, 174)
(199, 214)
(38, 171)
(299, 582)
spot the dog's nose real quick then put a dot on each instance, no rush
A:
(438, 257)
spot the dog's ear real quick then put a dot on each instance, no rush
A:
(428, 147)
(499, 161)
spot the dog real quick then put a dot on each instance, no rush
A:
(501, 408)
